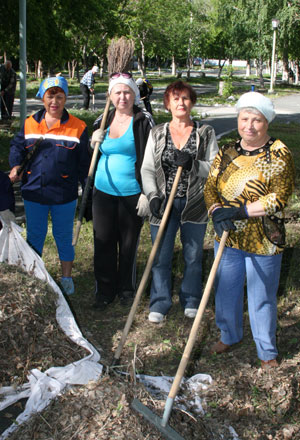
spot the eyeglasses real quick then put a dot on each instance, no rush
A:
(116, 75)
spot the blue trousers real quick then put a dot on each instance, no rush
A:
(62, 226)
(262, 273)
(192, 236)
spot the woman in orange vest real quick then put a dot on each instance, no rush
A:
(49, 183)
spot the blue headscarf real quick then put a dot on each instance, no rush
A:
(56, 81)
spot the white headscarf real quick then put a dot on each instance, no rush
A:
(129, 82)
(258, 101)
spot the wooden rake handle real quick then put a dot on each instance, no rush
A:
(148, 267)
(193, 333)
(198, 318)
(90, 176)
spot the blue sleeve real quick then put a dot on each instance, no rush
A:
(17, 151)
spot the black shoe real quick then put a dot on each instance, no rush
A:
(101, 304)
(126, 298)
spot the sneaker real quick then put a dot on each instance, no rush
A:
(190, 313)
(156, 317)
(67, 285)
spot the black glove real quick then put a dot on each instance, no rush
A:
(183, 159)
(229, 214)
(88, 212)
(155, 205)
(222, 218)
(224, 225)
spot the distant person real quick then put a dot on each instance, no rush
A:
(49, 183)
(146, 89)
(8, 88)
(247, 189)
(87, 85)
(7, 199)
(191, 145)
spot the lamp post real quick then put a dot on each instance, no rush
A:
(275, 24)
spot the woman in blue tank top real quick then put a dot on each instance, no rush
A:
(118, 202)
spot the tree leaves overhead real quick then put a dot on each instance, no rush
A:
(62, 30)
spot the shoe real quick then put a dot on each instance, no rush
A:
(219, 348)
(190, 313)
(101, 304)
(156, 317)
(272, 363)
(67, 285)
(126, 298)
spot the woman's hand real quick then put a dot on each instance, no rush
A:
(97, 136)
(183, 159)
(143, 206)
(222, 218)
(13, 175)
(155, 205)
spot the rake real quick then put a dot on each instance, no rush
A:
(162, 424)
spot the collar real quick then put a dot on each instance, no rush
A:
(40, 115)
(260, 150)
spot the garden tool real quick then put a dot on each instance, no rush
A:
(162, 424)
(8, 115)
(30, 155)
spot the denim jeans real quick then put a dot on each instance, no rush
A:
(262, 273)
(192, 236)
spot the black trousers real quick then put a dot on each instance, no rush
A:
(9, 103)
(116, 234)
(147, 105)
(86, 95)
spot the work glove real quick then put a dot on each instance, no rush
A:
(183, 159)
(7, 216)
(222, 218)
(97, 136)
(143, 206)
(155, 205)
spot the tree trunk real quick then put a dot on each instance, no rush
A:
(173, 66)
(40, 70)
(248, 68)
(143, 61)
(69, 69)
(285, 66)
(221, 67)
(260, 72)
(101, 62)
(84, 56)
(297, 73)
(77, 72)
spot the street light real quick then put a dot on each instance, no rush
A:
(275, 24)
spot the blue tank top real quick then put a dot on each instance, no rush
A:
(115, 173)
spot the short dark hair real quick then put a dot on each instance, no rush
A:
(178, 86)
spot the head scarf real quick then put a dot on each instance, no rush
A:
(258, 101)
(129, 82)
(56, 81)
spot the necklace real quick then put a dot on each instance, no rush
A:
(249, 148)
(122, 122)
